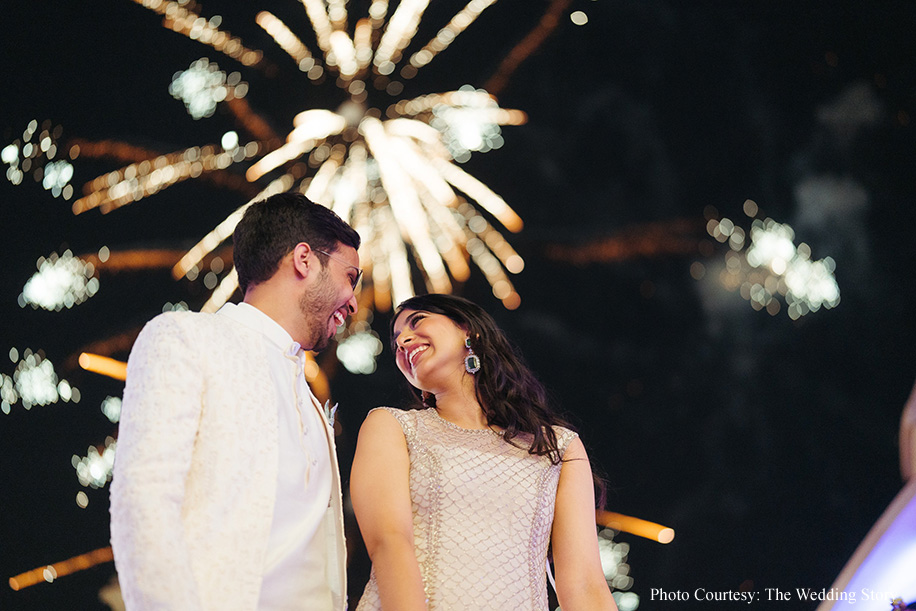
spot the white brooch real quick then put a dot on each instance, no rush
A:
(330, 411)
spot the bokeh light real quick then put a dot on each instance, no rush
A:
(358, 350)
(181, 306)
(470, 122)
(765, 266)
(613, 556)
(111, 407)
(578, 17)
(94, 469)
(82, 499)
(36, 154)
(203, 85)
(60, 282)
(33, 382)
(103, 365)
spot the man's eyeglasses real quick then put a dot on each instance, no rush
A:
(354, 280)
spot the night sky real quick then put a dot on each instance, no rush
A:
(769, 445)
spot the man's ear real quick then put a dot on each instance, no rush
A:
(303, 259)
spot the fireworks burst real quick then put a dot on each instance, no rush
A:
(390, 171)
(387, 165)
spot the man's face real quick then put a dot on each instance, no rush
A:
(327, 302)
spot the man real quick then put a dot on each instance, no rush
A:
(226, 492)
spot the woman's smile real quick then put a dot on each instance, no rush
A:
(414, 354)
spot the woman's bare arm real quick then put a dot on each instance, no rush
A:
(380, 491)
(581, 585)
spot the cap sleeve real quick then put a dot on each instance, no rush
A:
(565, 437)
(406, 418)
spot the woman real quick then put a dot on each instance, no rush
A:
(457, 501)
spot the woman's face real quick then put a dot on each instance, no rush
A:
(430, 349)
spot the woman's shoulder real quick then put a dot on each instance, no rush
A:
(405, 417)
(397, 412)
(565, 436)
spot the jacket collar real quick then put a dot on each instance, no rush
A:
(253, 318)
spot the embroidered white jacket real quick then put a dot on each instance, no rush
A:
(196, 470)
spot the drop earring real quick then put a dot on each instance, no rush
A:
(471, 361)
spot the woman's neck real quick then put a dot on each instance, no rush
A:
(460, 407)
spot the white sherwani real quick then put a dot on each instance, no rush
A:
(195, 478)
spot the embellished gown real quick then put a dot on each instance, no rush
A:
(482, 515)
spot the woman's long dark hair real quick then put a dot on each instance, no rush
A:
(511, 396)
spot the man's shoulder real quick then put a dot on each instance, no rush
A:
(184, 320)
(200, 337)
(193, 327)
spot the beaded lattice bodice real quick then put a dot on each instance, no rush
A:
(482, 515)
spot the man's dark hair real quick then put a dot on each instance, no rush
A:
(272, 227)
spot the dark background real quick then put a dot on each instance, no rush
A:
(769, 445)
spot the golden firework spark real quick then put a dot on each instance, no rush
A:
(391, 173)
